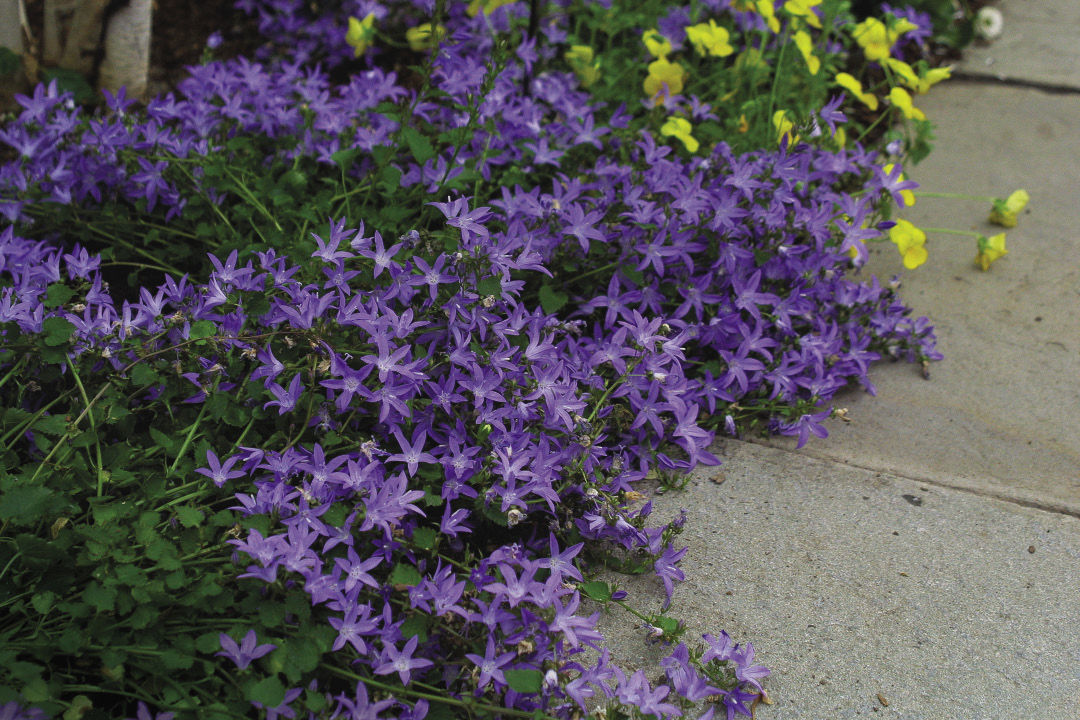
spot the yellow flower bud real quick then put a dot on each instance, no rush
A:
(657, 45)
(849, 83)
(360, 34)
(582, 60)
(803, 9)
(902, 100)
(680, 128)
(806, 47)
(422, 37)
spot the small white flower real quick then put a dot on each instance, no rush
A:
(989, 23)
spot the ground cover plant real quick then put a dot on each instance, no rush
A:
(329, 378)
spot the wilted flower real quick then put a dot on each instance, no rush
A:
(1004, 212)
(990, 249)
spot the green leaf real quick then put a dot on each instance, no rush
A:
(189, 516)
(269, 692)
(415, 625)
(42, 601)
(489, 286)
(57, 330)
(25, 504)
(166, 441)
(419, 145)
(57, 294)
(208, 643)
(101, 598)
(391, 179)
(10, 62)
(70, 81)
(52, 425)
(403, 574)
(524, 681)
(344, 158)
(424, 537)
(551, 299)
(202, 329)
(143, 375)
(635, 276)
(597, 590)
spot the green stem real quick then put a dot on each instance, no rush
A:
(14, 369)
(437, 696)
(191, 431)
(950, 231)
(952, 196)
(93, 427)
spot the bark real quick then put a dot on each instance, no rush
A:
(12, 37)
(73, 40)
(127, 49)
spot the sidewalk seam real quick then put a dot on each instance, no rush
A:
(1055, 508)
(1003, 81)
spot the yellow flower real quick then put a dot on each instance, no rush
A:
(919, 82)
(744, 124)
(1004, 212)
(360, 34)
(803, 9)
(582, 60)
(909, 241)
(680, 128)
(657, 45)
(422, 37)
(488, 6)
(784, 128)
(990, 249)
(849, 83)
(806, 47)
(767, 11)
(906, 196)
(664, 73)
(876, 38)
(709, 39)
(901, 99)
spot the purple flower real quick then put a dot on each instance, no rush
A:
(245, 652)
(401, 661)
(490, 665)
(219, 473)
(285, 399)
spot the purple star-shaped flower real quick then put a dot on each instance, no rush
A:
(246, 651)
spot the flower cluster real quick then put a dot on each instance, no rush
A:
(451, 403)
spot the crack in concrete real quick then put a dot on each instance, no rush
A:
(989, 79)
(1050, 506)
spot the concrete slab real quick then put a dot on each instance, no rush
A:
(852, 583)
(999, 414)
(1040, 42)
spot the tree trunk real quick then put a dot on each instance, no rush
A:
(12, 24)
(127, 50)
(119, 56)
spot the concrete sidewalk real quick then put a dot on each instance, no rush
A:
(928, 550)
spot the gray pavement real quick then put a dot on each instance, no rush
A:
(929, 549)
